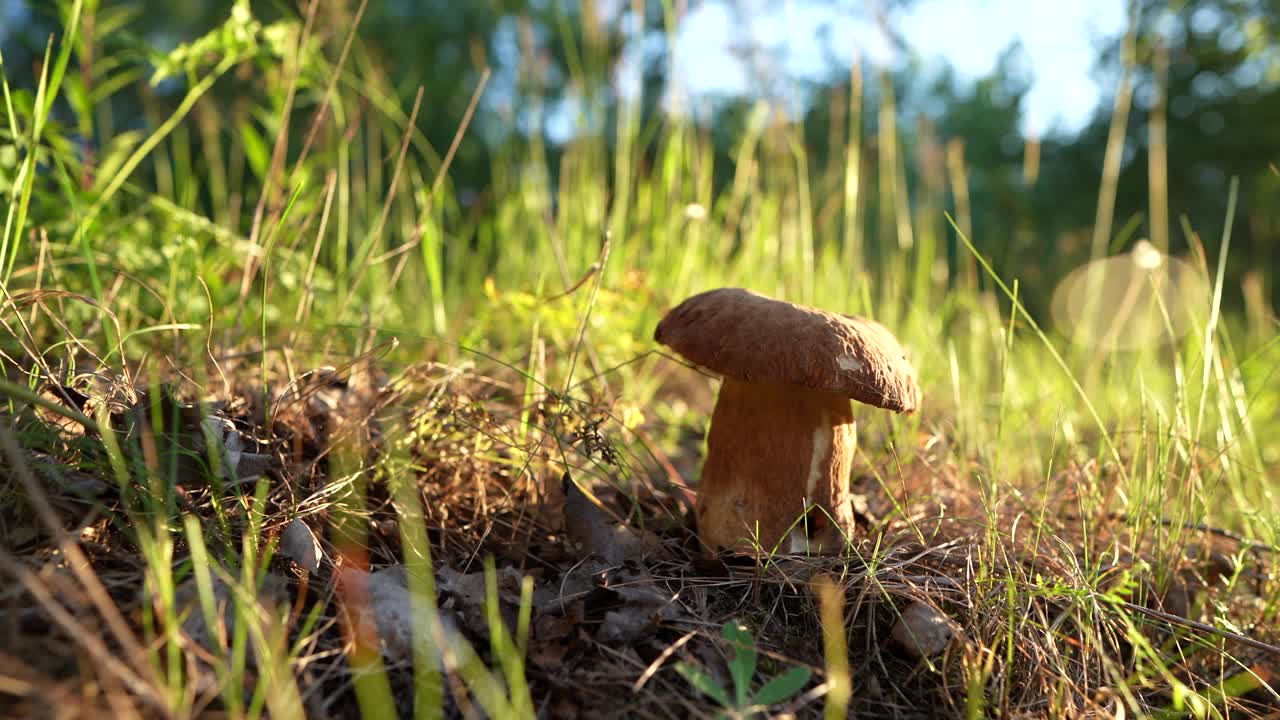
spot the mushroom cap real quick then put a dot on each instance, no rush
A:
(754, 338)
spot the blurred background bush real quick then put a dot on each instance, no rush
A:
(1012, 101)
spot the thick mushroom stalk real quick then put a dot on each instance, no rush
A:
(782, 440)
(776, 472)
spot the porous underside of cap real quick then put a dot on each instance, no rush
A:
(747, 336)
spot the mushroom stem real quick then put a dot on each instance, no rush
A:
(774, 452)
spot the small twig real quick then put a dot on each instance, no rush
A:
(1193, 624)
(326, 101)
(460, 132)
(1235, 537)
(1257, 548)
(595, 268)
(18, 677)
(658, 661)
(90, 641)
(76, 559)
(366, 259)
(20, 393)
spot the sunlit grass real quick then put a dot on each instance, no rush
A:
(197, 249)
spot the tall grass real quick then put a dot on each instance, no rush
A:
(212, 233)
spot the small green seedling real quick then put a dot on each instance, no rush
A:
(742, 667)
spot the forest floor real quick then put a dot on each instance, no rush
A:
(623, 614)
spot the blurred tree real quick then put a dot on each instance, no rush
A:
(556, 68)
(551, 62)
(1211, 68)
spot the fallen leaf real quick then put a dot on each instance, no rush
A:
(300, 545)
(216, 639)
(638, 589)
(235, 463)
(66, 479)
(399, 615)
(549, 626)
(594, 531)
(548, 656)
(553, 636)
(251, 466)
(638, 604)
(624, 625)
(565, 709)
(574, 584)
(469, 589)
(467, 594)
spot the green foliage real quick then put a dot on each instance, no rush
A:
(150, 230)
(1027, 226)
(235, 41)
(742, 668)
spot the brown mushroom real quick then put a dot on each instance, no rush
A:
(782, 436)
